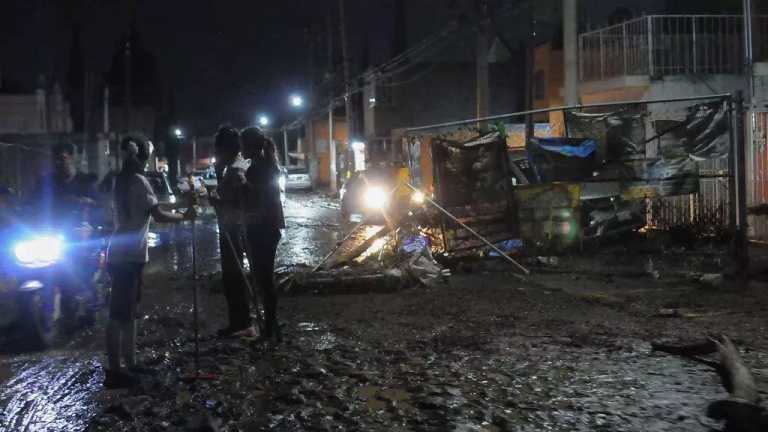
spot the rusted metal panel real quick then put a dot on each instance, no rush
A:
(549, 215)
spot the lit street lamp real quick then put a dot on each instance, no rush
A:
(178, 133)
(297, 101)
(263, 120)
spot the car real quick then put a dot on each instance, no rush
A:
(162, 188)
(199, 184)
(297, 178)
(208, 176)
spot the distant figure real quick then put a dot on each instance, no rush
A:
(264, 220)
(65, 193)
(134, 202)
(227, 200)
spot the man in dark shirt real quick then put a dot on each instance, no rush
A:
(65, 193)
(65, 198)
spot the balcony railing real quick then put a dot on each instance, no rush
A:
(658, 45)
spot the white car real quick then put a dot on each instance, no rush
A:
(297, 178)
(208, 176)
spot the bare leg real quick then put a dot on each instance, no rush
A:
(113, 345)
(129, 343)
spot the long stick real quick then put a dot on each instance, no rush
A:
(473, 232)
(336, 248)
(251, 291)
(194, 297)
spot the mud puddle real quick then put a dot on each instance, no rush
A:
(55, 393)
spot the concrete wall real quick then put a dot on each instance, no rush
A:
(34, 113)
(21, 114)
(444, 92)
(318, 150)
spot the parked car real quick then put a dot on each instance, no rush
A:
(208, 176)
(199, 184)
(298, 179)
(162, 188)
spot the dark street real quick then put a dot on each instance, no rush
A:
(58, 390)
(384, 215)
(483, 353)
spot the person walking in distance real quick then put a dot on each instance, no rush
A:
(264, 220)
(228, 202)
(134, 202)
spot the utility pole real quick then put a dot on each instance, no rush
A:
(530, 64)
(742, 246)
(749, 50)
(570, 51)
(309, 128)
(285, 146)
(331, 151)
(127, 96)
(481, 70)
(105, 119)
(345, 64)
(331, 141)
(194, 153)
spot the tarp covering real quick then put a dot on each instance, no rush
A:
(620, 134)
(585, 148)
(621, 140)
(470, 172)
(561, 159)
(702, 135)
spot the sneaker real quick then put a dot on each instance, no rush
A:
(118, 379)
(248, 333)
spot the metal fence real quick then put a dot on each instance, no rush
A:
(657, 45)
(757, 175)
(708, 210)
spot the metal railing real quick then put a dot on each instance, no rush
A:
(658, 45)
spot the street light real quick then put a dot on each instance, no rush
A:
(297, 101)
(263, 120)
(178, 133)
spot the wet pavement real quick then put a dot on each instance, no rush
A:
(485, 352)
(57, 390)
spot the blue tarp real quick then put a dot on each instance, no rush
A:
(558, 145)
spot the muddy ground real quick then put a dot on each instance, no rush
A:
(566, 350)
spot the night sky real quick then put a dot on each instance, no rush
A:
(225, 61)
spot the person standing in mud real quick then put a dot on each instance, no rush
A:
(228, 202)
(134, 202)
(264, 220)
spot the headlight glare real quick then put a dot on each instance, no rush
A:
(375, 198)
(418, 197)
(41, 251)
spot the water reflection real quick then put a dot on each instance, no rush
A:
(53, 394)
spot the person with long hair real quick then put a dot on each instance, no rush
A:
(128, 252)
(228, 203)
(264, 219)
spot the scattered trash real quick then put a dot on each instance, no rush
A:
(650, 270)
(551, 261)
(507, 246)
(711, 280)
(421, 265)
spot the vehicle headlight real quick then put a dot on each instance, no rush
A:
(375, 197)
(38, 252)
